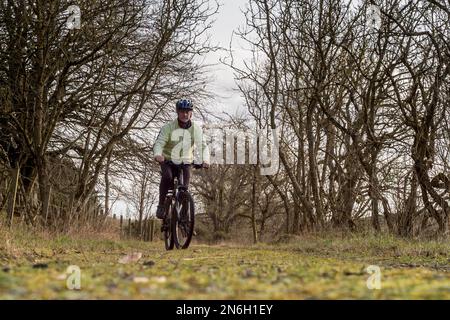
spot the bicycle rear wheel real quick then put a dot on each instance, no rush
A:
(168, 224)
(184, 224)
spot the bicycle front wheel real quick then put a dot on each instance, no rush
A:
(184, 224)
(168, 224)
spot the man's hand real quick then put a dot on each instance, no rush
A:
(159, 158)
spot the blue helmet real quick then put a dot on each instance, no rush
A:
(184, 104)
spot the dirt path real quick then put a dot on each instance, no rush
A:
(108, 271)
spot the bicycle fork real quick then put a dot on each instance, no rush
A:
(167, 213)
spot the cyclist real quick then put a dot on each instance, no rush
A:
(169, 146)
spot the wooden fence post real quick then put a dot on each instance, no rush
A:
(144, 230)
(95, 211)
(152, 227)
(121, 226)
(61, 215)
(129, 227)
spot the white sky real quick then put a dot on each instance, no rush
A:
(227, 99)
(229, 18)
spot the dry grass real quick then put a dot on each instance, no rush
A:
(330, 266)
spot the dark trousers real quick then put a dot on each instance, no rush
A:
(168, 173)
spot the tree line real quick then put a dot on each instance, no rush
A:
(358, 91)
(80, 99)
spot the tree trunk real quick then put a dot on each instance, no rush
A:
(107, 183)
(253, 210)
(44, 186)
(12, 194)
(405, 218)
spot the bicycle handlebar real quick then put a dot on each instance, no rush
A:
(196, 165)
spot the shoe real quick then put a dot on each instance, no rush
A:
(160, 212)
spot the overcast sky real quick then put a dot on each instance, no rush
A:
(229, 18)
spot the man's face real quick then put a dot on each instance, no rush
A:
(184, 115)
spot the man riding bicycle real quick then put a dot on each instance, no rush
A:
(169, 147)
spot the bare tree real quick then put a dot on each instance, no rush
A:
(78, 92)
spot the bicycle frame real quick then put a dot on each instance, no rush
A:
(174, 216)
(179, 180)
(178, 184)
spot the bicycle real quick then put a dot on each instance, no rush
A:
(179, 213)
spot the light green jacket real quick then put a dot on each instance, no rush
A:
(181, 145)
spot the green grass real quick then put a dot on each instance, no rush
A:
(315, 267)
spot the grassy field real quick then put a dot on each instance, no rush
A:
(35, 267)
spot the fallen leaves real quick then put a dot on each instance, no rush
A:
(61, 277)
(145, 271)
(149, 263)
(130, 258)
(140, 279)
(160, 279)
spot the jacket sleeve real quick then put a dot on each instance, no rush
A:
(161, 141)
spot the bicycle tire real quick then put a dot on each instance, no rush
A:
(168, 220)
(186, 227)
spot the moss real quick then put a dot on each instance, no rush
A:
(309, 268)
